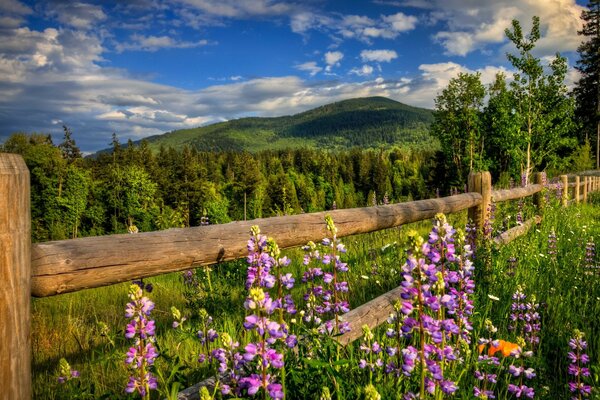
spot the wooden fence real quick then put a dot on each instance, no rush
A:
(52, 268)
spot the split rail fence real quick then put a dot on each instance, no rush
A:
(52, 268)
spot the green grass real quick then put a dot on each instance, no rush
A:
(67, 325)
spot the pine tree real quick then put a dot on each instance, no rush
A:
(68, 148)
(587, 90)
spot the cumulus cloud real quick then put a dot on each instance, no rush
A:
(332, 59)
(155, 43)
(401, 22)
(378, 55)
(471, 26)
(311, 67)
(365, 29)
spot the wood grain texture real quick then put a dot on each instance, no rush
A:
(71, 265)
(513, 233)
(538, 198)
(576, 190)
(516, 193)
(585, 188)
(373, 313)
(15, 264)
(480, 182)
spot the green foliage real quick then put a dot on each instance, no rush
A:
(134, 186)
(526, 125)
(458, 125)
(541, 103)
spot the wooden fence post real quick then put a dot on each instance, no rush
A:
(565, 189)
(577, 183)
(480, 182)
(585, 189)
(15, 279)
(538, 198)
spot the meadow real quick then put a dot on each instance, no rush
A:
(548, 280)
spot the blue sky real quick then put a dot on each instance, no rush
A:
(144, 67)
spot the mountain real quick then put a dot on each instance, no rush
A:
(364, 122)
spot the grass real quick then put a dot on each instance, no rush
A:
(71, 326)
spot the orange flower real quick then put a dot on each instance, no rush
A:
(503, 346)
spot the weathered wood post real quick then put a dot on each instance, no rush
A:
(538, 198)
(565, 189)
(15, 279)
(585, 189)
(480, 182)
(577, 183)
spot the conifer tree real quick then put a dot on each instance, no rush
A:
(587, 90)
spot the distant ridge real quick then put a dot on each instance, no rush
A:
(364, 122)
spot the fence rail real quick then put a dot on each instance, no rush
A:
(51, 268)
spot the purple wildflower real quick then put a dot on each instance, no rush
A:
(143, 353)
(578, 359)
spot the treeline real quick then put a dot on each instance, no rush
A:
(134, 186)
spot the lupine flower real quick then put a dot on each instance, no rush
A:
(426, 297)
(590, 257)
(578, 359)
(327, 299)
(521, 372)
(143, 353)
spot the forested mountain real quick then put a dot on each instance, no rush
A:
(365, 122)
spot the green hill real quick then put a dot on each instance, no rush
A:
(364, 122)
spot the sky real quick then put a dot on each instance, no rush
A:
(144, 67)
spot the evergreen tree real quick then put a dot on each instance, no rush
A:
(69, 150)
(587, 90)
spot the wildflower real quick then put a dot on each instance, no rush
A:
(506, 348)
(143, 353)
(578, 359)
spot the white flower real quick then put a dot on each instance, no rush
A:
(492, 297)
(364, 277)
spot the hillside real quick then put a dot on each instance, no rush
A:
(365, 122)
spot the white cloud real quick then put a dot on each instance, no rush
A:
(155, 43)
(311, 67)
(75, 14)
(240, 9)
(378, 55)
(332, 59)
(365, 70)
(365, 29)
(302, 22)
(401, 22)
(472, 25)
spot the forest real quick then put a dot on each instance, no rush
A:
(133, 186)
